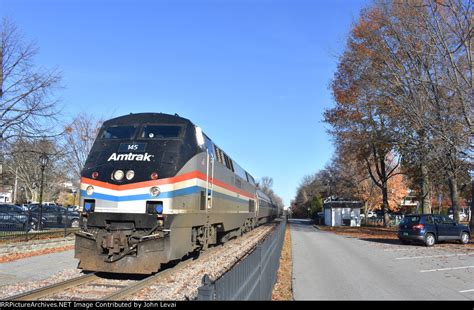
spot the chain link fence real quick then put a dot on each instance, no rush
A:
(253, 278)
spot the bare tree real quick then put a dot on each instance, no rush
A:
(26, 103)
(79, 138)
(265, 185)
(23, 163)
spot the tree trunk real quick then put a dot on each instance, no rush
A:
(472, 206)
(454, 195)
(386, 218)
(1, 70)
(425, 190)
(366, 211)
(384, 180)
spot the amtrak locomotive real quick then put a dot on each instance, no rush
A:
(154, 189)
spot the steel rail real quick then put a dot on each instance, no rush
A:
(53, 288)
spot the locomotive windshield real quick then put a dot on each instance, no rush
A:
(119, 132)
(161, 132)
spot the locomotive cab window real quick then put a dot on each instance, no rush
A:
(161, 132)
(119, 132)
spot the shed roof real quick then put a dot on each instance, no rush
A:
(342, 204)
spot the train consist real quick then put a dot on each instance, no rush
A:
(154, 189)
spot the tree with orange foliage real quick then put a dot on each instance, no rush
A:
(359, 120)
(404, 87)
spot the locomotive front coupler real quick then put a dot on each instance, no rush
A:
(118, 240)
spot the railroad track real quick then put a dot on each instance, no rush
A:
(99, 286)
(104, 288)
(54, 288)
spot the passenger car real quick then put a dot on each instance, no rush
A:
(14, 218)
(55, 216)
(431, 228)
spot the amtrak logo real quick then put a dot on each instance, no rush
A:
(130, 157)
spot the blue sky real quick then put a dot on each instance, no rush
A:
(254, 74)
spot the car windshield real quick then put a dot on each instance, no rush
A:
(410, 220)
(119, 132)
(161, 131)
(10, 208)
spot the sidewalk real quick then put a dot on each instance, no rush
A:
(36, 268)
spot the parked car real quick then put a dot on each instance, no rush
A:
(431, 228)
(72, 208)
(463, 215)
(371, 214)
(396, 217)
(15, 218)
(23, 207)
(56, 216)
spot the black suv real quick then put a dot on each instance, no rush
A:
(432, 228)
(15, 218)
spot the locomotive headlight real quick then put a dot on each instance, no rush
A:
(155, 191)
(199, 137)
(118, 175)
(90, 190)
(130, 174)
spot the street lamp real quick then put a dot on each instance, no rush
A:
(74, 191)
(43, 162)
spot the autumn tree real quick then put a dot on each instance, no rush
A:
(425, 50)
(360, 119)
(403, 92)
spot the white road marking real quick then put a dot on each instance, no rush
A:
(400, 249)
(431, 256)
(446, 269)
(467, 291)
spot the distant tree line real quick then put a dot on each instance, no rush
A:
(403, 107)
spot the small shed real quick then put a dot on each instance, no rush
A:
(342, 213)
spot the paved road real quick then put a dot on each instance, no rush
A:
(331, 267)
(36, 267)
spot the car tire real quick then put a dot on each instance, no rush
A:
(430, 239)
(465, 237)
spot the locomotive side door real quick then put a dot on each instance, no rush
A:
(209, 180)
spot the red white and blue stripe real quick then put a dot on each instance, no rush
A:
(126, 197)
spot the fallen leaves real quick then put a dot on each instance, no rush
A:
(283, 289)
(15, 256)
